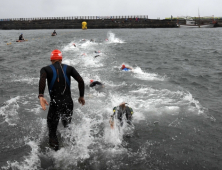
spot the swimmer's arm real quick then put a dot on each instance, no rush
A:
(42, 84)
(114, 111)
(129, 67)
(42, 81)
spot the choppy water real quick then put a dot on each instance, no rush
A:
(176, 81)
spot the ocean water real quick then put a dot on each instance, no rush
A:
(174, 89)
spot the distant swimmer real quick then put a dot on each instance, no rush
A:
(96, 56)
(94, 83)
(121, 111)
(58, 78)
(21, 37)
(126, 68)
(92, 40)
(107, 40)
(54, 33)
(74, 44)
(97, 51)
(84, 54)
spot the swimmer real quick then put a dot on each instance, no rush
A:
(91, 40)
(96, 56)
(74, 44)
(94, 83)
(97, 51)
(54, 32)
(120, 111)
(126, 68)
(61, 103)
(21, 37)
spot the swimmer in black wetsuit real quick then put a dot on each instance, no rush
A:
(122, 110)
(54, 32)
(94, 83)
(96, 56)
(21, 37)
(61, 104)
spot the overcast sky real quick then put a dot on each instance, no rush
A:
(153, 8)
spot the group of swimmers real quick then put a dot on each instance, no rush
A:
(120, 110)
(58, 77)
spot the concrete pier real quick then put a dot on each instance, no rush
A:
(91, 24)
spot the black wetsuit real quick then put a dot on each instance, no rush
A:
(54, 33)
(94, 83)
(97, 56)
(128, 111)
(21, 37)
(61, 103)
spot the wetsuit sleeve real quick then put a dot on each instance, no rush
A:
(131, 110)
(42, 81)
(98, 83)
(95, 83)
(92, 84)
(114, 110)
(79, 79)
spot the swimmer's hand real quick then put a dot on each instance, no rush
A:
(81, 100)
(43, 102)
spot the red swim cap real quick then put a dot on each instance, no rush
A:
(123, 66)
(91, 81)
(56, 55)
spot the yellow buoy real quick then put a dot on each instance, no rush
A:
(84, 25)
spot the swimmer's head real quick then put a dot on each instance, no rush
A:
(56, 55)
(91, 81)
(123, 66)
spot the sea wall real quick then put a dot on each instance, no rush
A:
(75, 23)
(91, 23)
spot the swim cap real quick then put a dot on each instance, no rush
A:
(123, 66)
(91, 81)
(56, 55)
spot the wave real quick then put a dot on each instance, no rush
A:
(10, 111)
(140, 74)
(111, 38)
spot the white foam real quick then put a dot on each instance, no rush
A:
(112, 38)
(31, 161)
(10, 111)
(28, 80)
(76, 142)
(166, 101)
(140, 74)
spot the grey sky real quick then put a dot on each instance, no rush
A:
(153, 8)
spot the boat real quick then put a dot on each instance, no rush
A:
(190, 23)
(21, 40)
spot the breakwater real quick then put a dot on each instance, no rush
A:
(93, 22)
